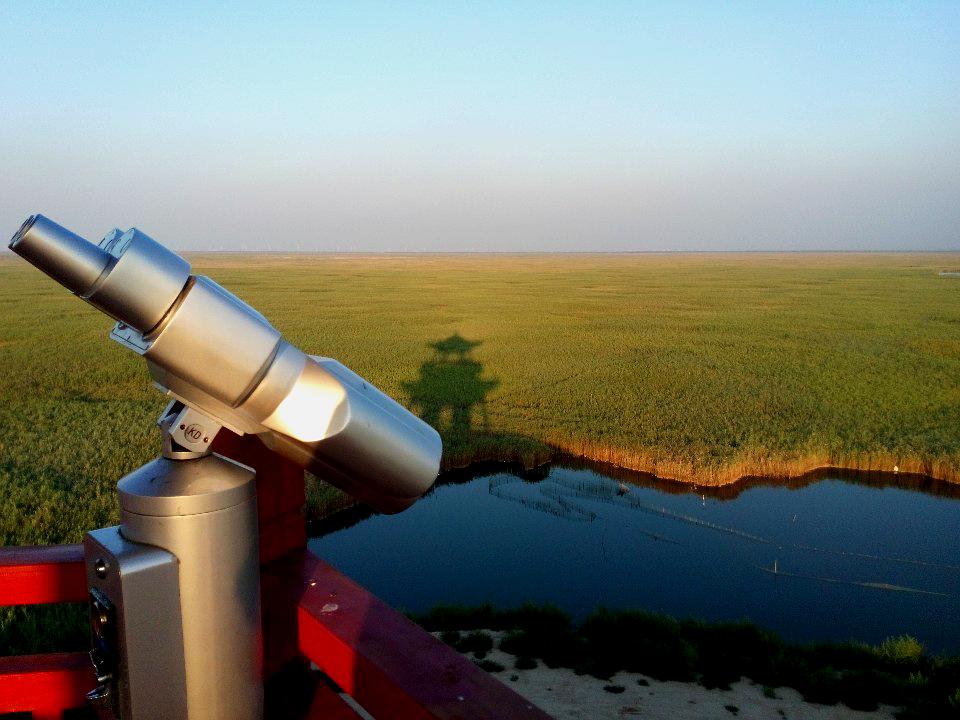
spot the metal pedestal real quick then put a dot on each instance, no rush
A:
(202, 510)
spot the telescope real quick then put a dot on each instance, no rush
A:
(174, 589)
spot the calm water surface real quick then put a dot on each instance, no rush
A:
(852, 560)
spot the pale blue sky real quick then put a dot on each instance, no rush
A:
(514, 126)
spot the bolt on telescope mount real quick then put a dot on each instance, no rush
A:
(174, 589)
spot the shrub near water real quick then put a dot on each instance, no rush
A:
(898, 672)
(902, 649)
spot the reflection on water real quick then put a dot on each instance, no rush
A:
(820, 558)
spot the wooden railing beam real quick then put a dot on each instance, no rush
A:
(44, 685)
(281, 493)
(388, 664)
(35, 574)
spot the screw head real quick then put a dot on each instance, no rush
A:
(100, 567)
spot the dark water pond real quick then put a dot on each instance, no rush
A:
(853, 558)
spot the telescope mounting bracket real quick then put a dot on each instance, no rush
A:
(187, 433)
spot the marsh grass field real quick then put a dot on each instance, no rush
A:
(697, 367)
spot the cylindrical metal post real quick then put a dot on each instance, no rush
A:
(203, 510)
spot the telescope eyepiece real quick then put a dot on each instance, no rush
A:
(129, 276)
(67, 258)
(24, 228)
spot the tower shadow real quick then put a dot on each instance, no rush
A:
(450, 392)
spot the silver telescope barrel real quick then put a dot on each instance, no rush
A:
(219, 356)
(129, 276)
(67, 258)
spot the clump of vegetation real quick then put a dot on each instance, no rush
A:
(29, 629)
(323, 499)
(525, 663)
(477, 642)
(451, 637)
(898, 672)
(901, 649)
(491, 666)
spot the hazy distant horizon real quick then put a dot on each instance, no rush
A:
(947, 251)
(528, 127)
(414, 253)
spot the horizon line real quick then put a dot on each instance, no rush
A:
(863, 251)
(575, 252)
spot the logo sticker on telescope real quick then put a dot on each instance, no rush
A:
(194, 433)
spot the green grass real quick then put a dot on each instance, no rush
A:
(898, 672)
(702, 367)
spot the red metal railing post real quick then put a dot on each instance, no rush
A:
(389, 665)
(45, 685)
(36, 574)
(281, 494)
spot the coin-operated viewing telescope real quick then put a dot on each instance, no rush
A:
(174, 589)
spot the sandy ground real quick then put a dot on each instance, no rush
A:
(565, 696)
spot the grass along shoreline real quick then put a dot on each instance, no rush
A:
(329, 509)
(684, 471)
(534, 458)
(766, 466)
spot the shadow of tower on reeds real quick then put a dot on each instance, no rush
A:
(451, 393)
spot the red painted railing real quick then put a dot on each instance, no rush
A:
(388, 665)
(32, 575)
(45, 685)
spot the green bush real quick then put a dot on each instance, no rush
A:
(541, 632)
(821, 686)
(476, 642)
(451, 637)
(460, 617)
(857, 690)
(637, 642)
(491, 666)
(901, 649)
